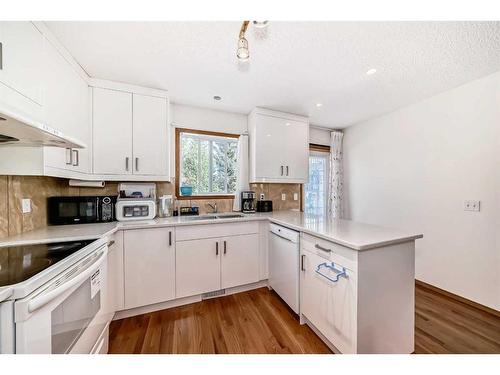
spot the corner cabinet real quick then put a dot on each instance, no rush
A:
(149, 266)
(130, 134)
(279, 147)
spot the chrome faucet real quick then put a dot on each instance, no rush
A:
(213, 207)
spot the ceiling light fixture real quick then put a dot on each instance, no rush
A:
(319, 105)
(243, 53)
(371, 71)
(260, 24)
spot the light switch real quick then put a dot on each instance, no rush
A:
(295, 196)
(472, 206)
(26, 205)
(283, 197)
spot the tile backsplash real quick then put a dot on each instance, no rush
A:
(14, 188)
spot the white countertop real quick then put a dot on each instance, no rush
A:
(348, 233)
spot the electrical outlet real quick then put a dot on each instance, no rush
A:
(472, 206)
(295, 196)
(283, 197)
(26, 205)
(262, 197)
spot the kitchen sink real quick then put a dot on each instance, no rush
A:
(229, 216)
(202, 217)
(213, 217)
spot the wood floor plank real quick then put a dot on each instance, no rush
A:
(259, 322)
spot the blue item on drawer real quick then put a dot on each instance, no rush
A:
(186, 190)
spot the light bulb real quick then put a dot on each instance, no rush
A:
(243, 53)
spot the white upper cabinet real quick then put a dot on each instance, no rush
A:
(66, 108)
(21, 59)
(279, 147)
(150, 134)
(130, 134)
(112, 131)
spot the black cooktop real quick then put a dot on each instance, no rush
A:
(19, 263)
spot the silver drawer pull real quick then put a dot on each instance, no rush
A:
(322, 248)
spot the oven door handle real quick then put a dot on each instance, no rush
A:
(45, 297)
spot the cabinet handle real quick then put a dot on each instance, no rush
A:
(282, 170)
(111, 243)
(338, 273)
(69, 157)
(302, 257)
(126, 164)
(217, 248)
(76, 160)
(137, 164)
(170, 238)
(287, 170)
(1, 56)
(322, 248)
(225, 247)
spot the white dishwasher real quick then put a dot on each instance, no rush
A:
(284, 264)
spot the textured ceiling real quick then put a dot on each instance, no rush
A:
(292, 67)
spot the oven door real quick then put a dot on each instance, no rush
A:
(65, 316)
(73, 210)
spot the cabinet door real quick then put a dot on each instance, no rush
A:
(197, 267)
(270, 148)
(330, 306)
(149, 267)
(240, 260)
(296, 154)
(112, 131)
(150, 135)
(66, 108)
(22, 49)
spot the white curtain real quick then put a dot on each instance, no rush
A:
(336, 178)
(241, 171)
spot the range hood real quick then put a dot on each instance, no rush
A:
(19, 130)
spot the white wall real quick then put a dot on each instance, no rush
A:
(413, 169)
(185, 116)
(189, 117)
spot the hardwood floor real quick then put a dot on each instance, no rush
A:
(256, 322)
(259, 322)
(446, 325)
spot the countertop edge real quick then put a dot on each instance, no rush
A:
(375, 245)
(120, 226)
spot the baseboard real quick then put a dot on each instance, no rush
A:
(183, 301)
(457, 298)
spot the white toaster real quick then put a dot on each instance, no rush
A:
(135, 209)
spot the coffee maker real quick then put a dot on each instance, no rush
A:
(247, 201)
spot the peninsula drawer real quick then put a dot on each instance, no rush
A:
(329, 250)
(194, 232)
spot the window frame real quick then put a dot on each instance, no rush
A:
(317, 148)
(178, 132)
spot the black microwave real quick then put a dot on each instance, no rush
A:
(81, 210)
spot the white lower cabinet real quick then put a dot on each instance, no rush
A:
(239, 260)
(330, 306)
(369, 311)
(197, 267)
(149, 266)
(209, 264)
